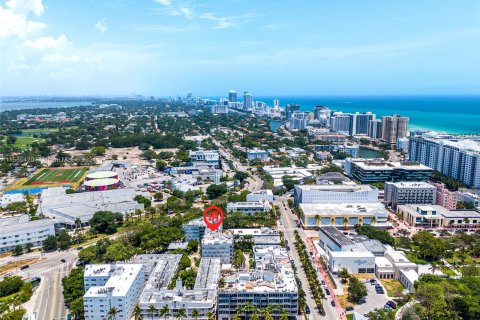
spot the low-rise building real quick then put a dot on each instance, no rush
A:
(376, 170)
(260, 236)
(202, 297)
(19, 231)
(249, 207)
(261, 195)
(356, 262)
(217, 245)
(343, 214)
(194, 229)
(296, 173)
(445, 197)
(409, 192)
(256, 153)
(468, 197)
(271, 282)
(112, 286)
(334, 193)
(7, 199)
(205, 157)
(432, 216)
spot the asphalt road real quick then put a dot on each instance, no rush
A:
(288, 226)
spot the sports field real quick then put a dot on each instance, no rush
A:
(57, 176)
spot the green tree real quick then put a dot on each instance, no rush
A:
(356, 290)
(18, 250)
(112, 313)
(64, 240)
(141, 199)
(195, 314)
(381, 314)
(158, 196)
(152, 310)
(181, 314)
(344, 275)
(164, 311)
(105, 221)
(137, 312)
(160, 165)
(50, 243)
(216, 190)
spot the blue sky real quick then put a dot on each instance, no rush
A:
(169, 47)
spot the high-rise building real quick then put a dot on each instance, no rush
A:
(276, 104)
(456, 157)
(359, 122)
(232, 96)
(247, 100)
(394, 127)
(289, 109)
(340, 122)
(298, 120)
(375, 129)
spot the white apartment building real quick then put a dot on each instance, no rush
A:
(205, 157)
(260, 195)
(409, 192)
(457, 157)
(203, 296)
(112, 286)
(256, 153)
(217, 245)
(335, 193)
(469, 197)
(18, 230)
(272, 282)
(249, 207)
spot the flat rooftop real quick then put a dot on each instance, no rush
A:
(17, 225)
(335, 187)
(216, 237)
(336, 236)
(351, 254)
(413, 184)
(387, 165)
(119, 283)
(412, 209)
(341, 209)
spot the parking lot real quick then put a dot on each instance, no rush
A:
(372, 301)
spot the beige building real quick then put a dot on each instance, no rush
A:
(433, 216)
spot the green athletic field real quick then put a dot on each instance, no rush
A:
(57, 176)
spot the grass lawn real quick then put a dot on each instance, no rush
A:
(343, 298)
(17, 263)
(23, 141)
(394, 287)
(57, 175)
(415, 259)
(39, 130)
(468, 260)
(350, 316)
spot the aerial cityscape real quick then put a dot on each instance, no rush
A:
(239, 160)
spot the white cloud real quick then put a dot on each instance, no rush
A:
(164, 2)
(24, 7)
(228, 21)
(43, 43)
(101, 25)
(14, 18)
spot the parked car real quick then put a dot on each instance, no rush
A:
(349, 308)
(307, 310)
(63, 260)
(327, 292)
(80, 248)
(392, 304)
(24, 267)
(332, 303)
(323, 283)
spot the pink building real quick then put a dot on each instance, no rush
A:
(446, 198)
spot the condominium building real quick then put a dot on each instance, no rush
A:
(469, 197)
(219, 109)
(340, 122)
(411, 192)
(445, 197)
(298, 120)
(18, 230)
(334, 193)
(217, 245)
(394, 127)
(205, 157)
(359, 122)
(379, 170)
(271, 282)
(456, 157)
(375, 129)
(437, 216)
(249, 207)
(194, 229)
(112, 286)
(202, 297)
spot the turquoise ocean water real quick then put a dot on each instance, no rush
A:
(452, 114)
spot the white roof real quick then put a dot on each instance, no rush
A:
(411, 275)
(101, 175)
(341, 209)
(119, 283)
(351, 254)
(101, 182)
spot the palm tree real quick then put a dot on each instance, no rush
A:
(374, 220)
(137, 312)
(332, 220)
(466, 220)
(164, 311)
(211, 315)
(344, 275)
(345, 223)
(112, 313)
(317, 220)
(195, 314)
(433, 267)
(181, 314)
(267, 312)
(78, 222)
(152, 310)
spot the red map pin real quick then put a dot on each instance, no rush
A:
(213, 217)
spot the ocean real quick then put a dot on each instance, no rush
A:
(450, 114)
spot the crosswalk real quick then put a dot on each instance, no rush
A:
(59, 266)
